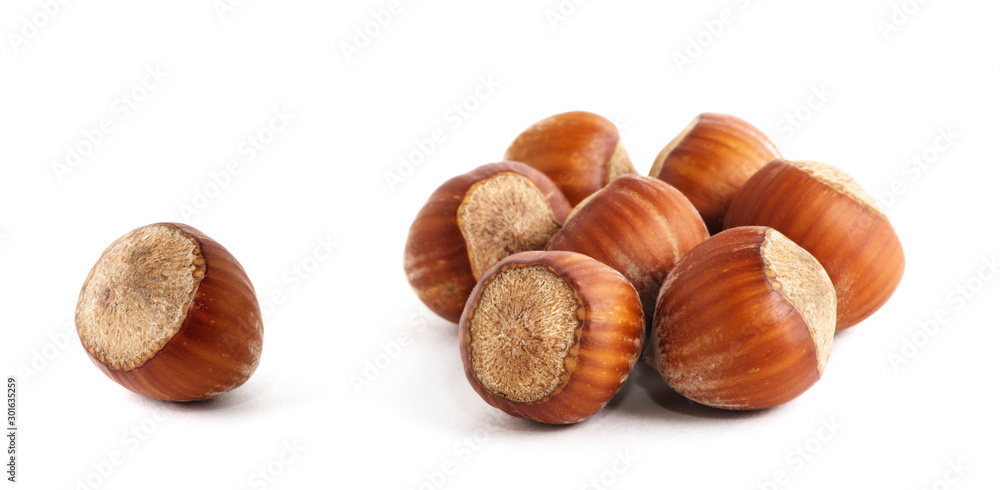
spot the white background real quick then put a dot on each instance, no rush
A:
(888, 93)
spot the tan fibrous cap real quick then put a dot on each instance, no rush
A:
(504, 214)
(524, 333)
(138, 294)
(801, 280)
(550, 336)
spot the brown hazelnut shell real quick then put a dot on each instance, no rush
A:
(218, 346)
(839, 224)
(580, 151)
(711, 160)
(640, 226)
(436, 255)
(607, 346)
(725, 335)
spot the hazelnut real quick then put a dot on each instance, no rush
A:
(550, 336)
(710, 160)
(640, 226)
(470, 223)
(825, 211)
(580, 151)
(169, 313)
(745, 321)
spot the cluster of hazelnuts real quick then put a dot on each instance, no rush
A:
(728, 269)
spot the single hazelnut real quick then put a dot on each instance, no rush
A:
(710, 160)
(580, 151)
(550, 336)
(745, 321)
(470, 223)
(825, 211)
(169, 313)
(640, 226)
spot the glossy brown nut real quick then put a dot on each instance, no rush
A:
(550, 336)
(640, 226)
(470, 223)
(580, 151)
(827, 212)
(711, 160)
(170, 314)
(745, 321)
